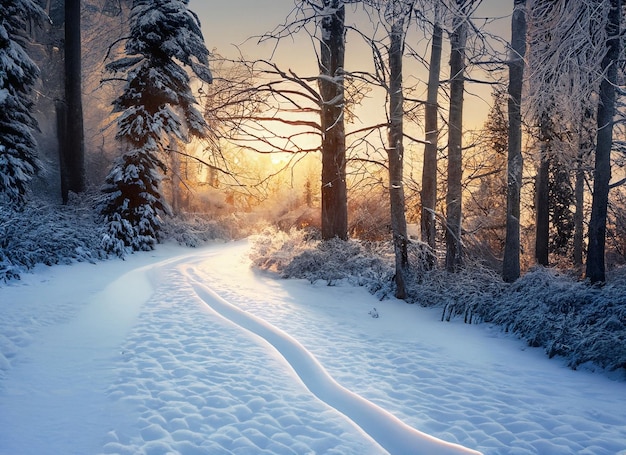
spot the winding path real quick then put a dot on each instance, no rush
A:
(390, 432)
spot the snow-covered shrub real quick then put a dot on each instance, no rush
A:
(336, 260)
(193, 230)
(466, 293)
(45, 234)
(566, 317)
(548, 309)
(274, 249)
(300, 254)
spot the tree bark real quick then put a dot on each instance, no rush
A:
(429, 171)
(458, 38)
(331, 84)
(395, 153)
(74, 151)
(595, 270)
(511, 263)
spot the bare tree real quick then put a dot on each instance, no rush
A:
(458, 40)
(564, 51)
(397, 13)
(429, 170)
(595, 270)
(330, 30)
(331, 85)
(511, 264)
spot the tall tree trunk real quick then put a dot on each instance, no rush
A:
(458, 38)
(429, 170)
(586, 139)
(542, 193)
(395, 153)
(511, 264)
(74, 151)
(602, 173)
(332, 55)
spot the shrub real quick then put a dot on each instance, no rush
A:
(547, 308)
(44, 234)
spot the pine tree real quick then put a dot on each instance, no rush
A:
(18, 73)
(157, 105)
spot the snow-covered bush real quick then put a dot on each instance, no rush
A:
(566, 317)
(301, 254)
(45, 234)
(548, 309)
(337, 260)
(466, 293)
(273, 249)
(193, 230)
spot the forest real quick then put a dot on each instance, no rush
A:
(121, 128)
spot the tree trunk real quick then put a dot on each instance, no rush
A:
(586, 139)
(542, 206)
(331, 84)
(602, 173)
(61, 123)
(511, 264)
(458, 38)
(74, 151)
(429, 171)
(395, 153)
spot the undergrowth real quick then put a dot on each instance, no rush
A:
(551, 310)
(49, 234)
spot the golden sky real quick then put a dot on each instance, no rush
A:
(233, 23)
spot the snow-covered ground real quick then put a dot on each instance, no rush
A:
(192, 352)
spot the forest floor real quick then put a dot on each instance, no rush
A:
(191, 351)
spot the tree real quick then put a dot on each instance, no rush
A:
(429, 170)
(73, 152)
(565, 46)
(458, 39)
(511, 264)
(595, 270)
(18, 73)
(331, 86)
(157, 104)
(397, 13)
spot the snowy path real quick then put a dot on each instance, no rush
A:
(389, 431)
(135, 358)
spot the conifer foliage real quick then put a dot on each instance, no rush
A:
(157, 105)
(18, 73)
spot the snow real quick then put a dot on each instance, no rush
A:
(191, 351)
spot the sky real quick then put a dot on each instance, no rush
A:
(236, 22)
(191, 351)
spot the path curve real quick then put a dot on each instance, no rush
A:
(391, 433)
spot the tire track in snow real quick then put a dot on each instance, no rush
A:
(391, 433)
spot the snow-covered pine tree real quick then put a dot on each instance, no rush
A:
(18, 73)
(157, 104)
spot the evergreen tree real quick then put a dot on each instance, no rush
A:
(157, 105)
(18, 73)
